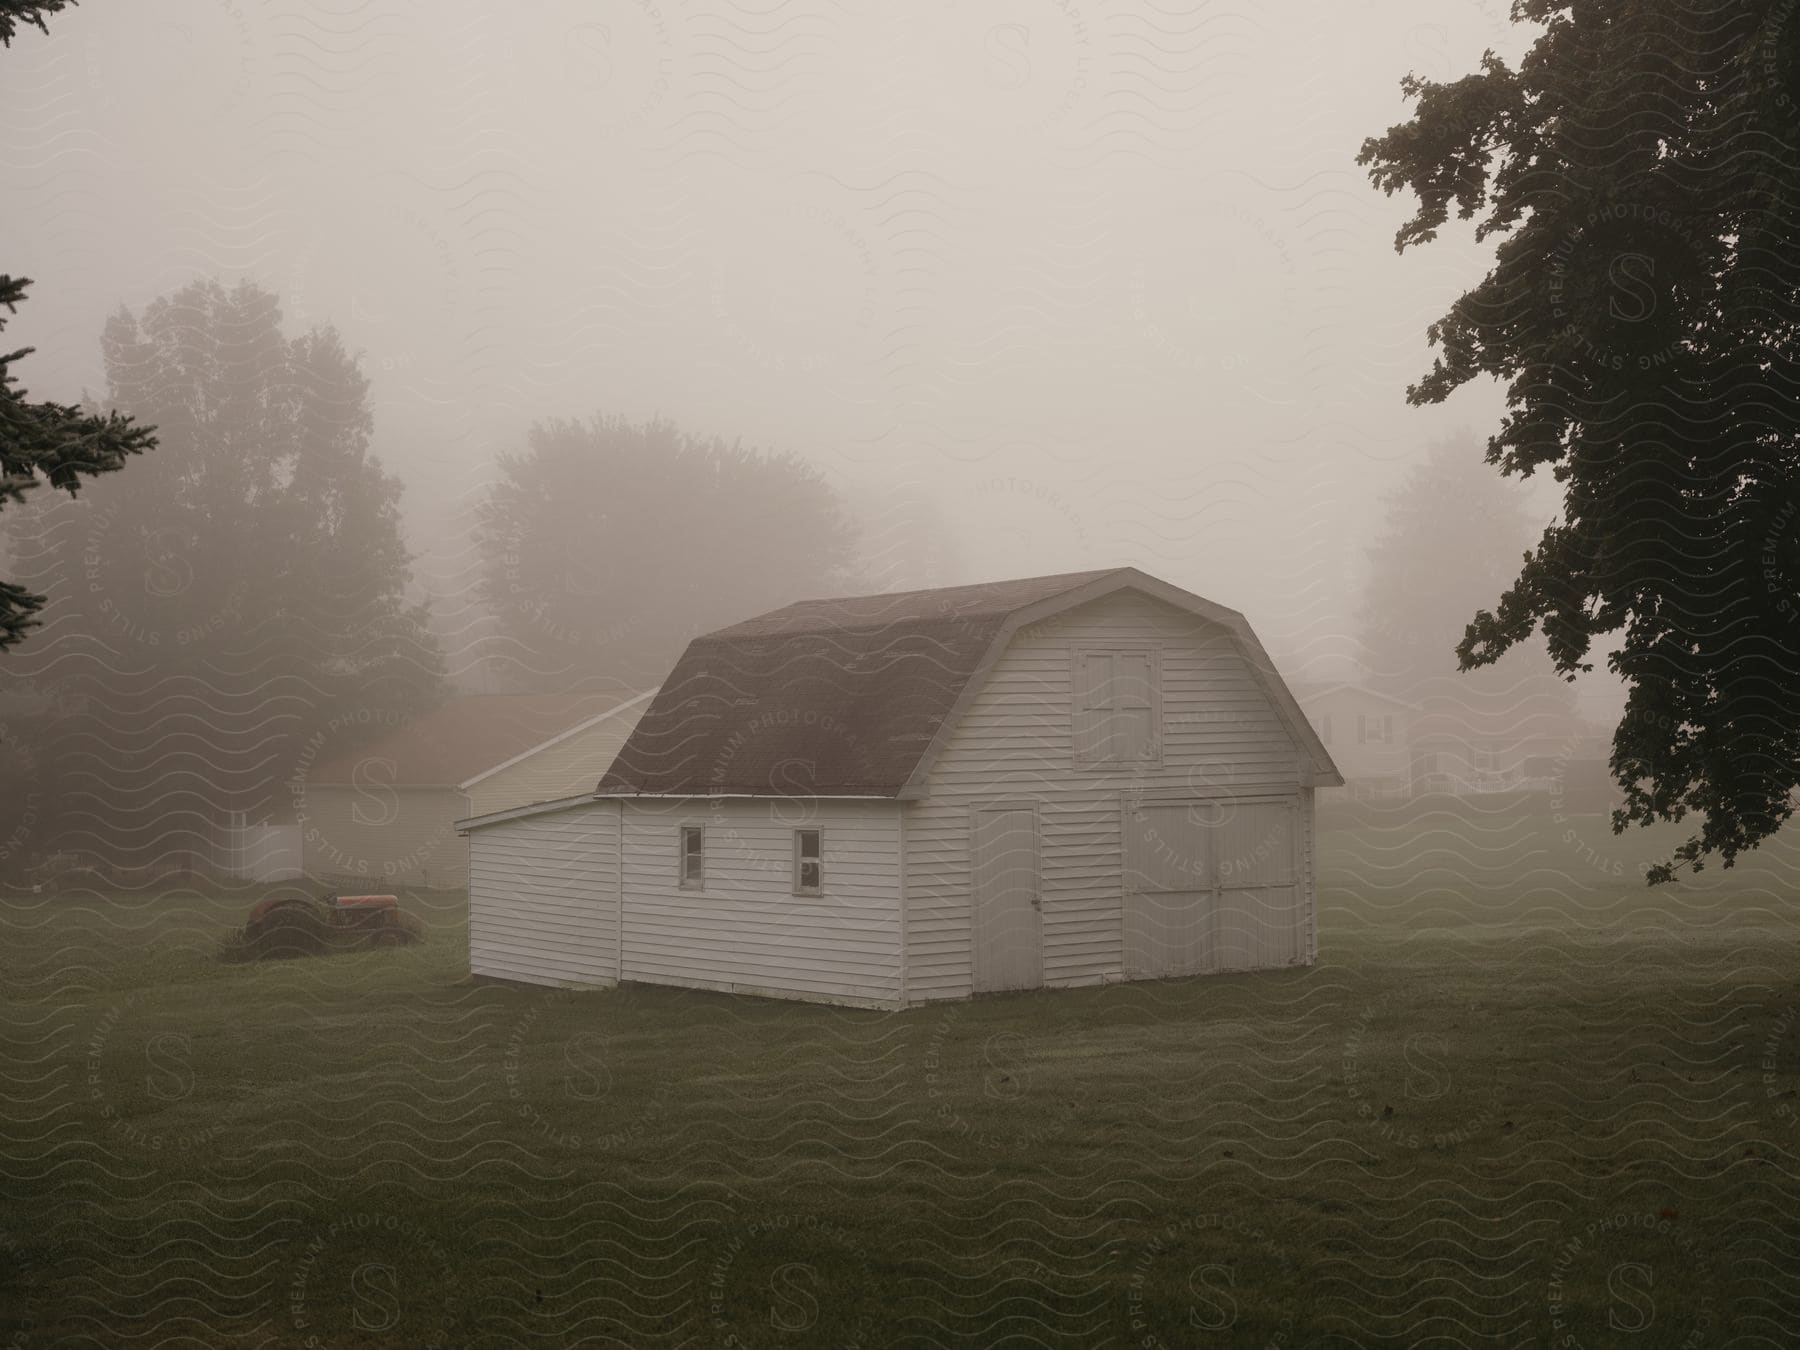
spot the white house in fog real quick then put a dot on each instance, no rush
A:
(1368, 733)
(1459, 739)
(899, 798)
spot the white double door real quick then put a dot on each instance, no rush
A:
(1212, 885)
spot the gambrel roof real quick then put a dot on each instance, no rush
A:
(854, 697)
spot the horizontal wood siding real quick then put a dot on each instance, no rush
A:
(745, 930)
(543, 897)
(1220, 734)
(560, 770)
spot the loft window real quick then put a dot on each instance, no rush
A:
(1117, 706)
(693, 857)
(809, 863)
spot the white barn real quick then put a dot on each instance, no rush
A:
(892, 799)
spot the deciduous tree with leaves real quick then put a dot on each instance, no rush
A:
(609, 543)
(1640, 170)
(239, 601)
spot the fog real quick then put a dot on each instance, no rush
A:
(1082, 284)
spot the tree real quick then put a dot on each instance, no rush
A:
(235, 601)
(608, 544)
(1641, 170)
(1449, 543)
(46, 442)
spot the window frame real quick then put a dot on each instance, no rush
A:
(818, 860)
(1079, 652)
(682, 880)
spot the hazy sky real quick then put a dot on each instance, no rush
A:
(1100, 281)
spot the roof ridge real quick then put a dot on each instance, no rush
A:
(1089, 574)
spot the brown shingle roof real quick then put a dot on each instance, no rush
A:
(467, 736)
(840, 697)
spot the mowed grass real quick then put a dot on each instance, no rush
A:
(1520, 1100)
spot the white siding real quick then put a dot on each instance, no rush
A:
(1219, 734)
(543, 897)
(745, 930)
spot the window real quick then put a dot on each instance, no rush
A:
(1118, 707)
(809, 863)
(693, 857)
(1371, 730)
(1483, 759)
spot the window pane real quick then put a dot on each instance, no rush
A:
(809, 843)
(809, 875)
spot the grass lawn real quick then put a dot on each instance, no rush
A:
(1521, 1100)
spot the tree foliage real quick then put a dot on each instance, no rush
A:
(1449, 542)
(16, 14)
(50, 443)
(218, 608)
(608, 544)
(1641, 173)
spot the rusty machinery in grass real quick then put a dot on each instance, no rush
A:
(294, 923)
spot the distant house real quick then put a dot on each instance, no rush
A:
(1522, 738)
(892, 799)
(1460, 738)
(1369, 735)
(385, 811)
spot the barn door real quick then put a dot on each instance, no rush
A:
(1259, 916)
(1210, 885)
(1008, 927)
(1168, 889)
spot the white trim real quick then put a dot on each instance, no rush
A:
(819, 862)
(1080, 651)
(575, 730)
(619, 897)
(681, 856)
(564, 803)
(745, 796)
(900, 887)
(468, 823)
